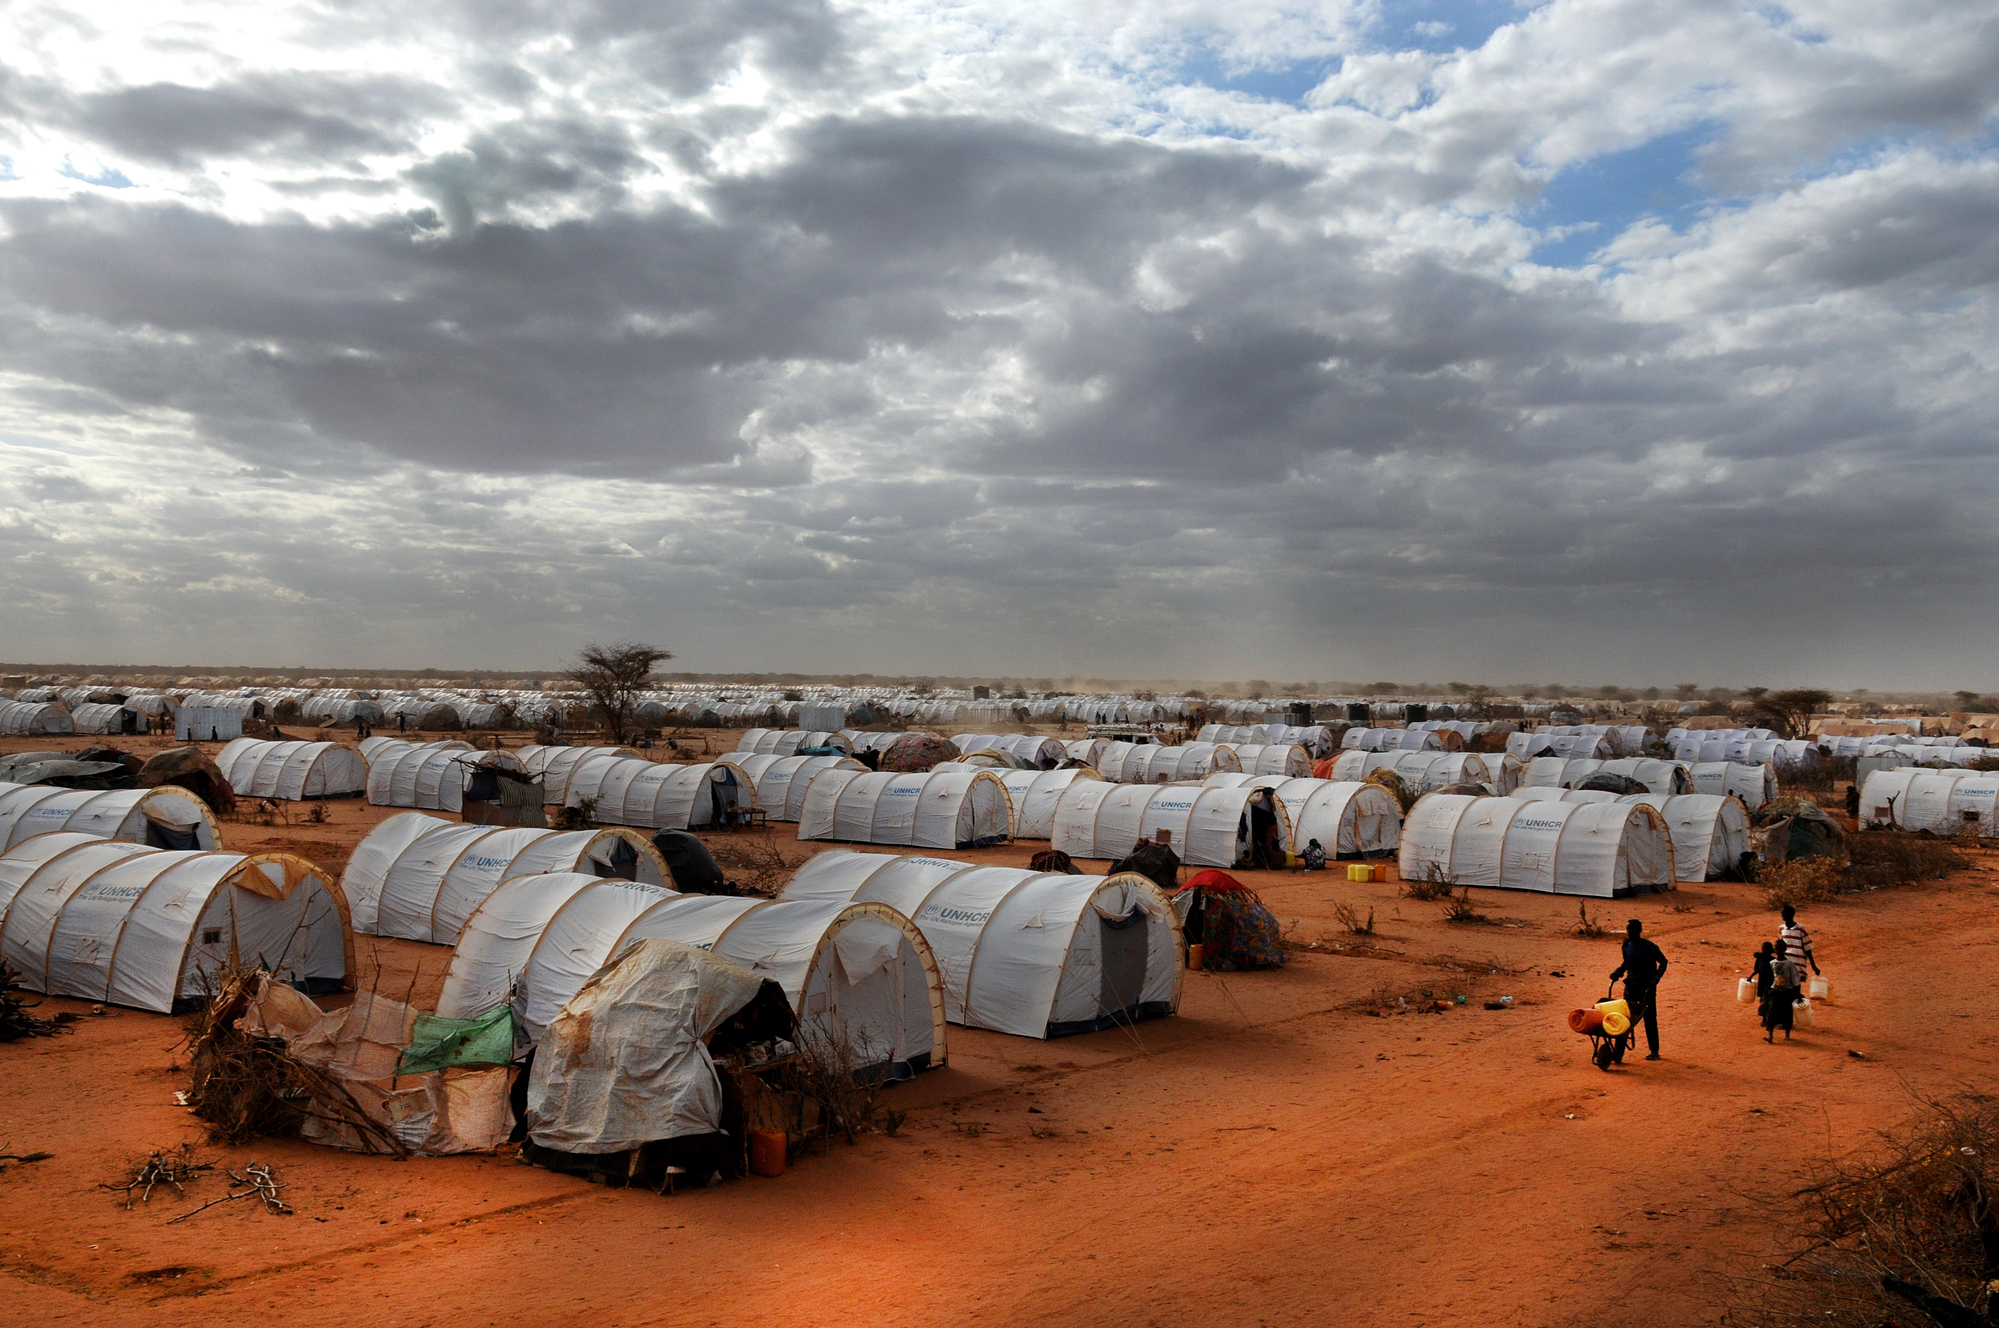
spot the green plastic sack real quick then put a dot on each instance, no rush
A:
(439, 1043)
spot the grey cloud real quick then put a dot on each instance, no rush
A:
(296, 116)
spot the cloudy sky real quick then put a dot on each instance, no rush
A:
(1646, 341)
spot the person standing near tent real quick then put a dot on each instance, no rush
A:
(1644, 964)
(1263, 851)
(1797, 939)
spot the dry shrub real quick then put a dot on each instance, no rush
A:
(832, 1070)
(1804, 881)
(583, 816)
(1884, 860)
(16, 1022)
(1349, 919)
(755, 864)
(1432, 887)
(1458, 908)
(1586, 924)
(1906, 1234)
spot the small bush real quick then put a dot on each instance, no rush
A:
(1457, 908)
(1349, 918)
(1432, 887)
(1804, 881)
(1586, 924)
(1884, 860)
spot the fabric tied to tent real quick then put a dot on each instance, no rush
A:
(438, 1043)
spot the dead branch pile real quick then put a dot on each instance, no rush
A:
(244, 1085)
(15, 1021)
(173, 1167)
(255, 1182)
(832, 1070)
(1907, 1235)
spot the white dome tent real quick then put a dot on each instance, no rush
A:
(781, 781)
(430, 776)
(955, 809)
(418, 878)
(1756, 785)
(1396, 740)
(1106, 821)
(1033, 794)
(1349, 819)
(1043, 753)
(1710, 833)
(1563, 772)
(634, 791)
(1035, 954)
(162, 817)
(786, 742)
(1274, 758)
(1596, 746)
(1599, 849)
(1149, 763)
(107, 717)
(1943, 802)
(859, 975)
(557, 766)
(204, 717)
(1423, 772)
(23, 719)
(104, 920)
(256, 768)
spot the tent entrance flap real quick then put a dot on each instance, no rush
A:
(1124, 943)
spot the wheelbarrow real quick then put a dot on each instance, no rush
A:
(1609, 1030)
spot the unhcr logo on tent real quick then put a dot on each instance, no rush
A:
(963, 917)
(1536, 823)
(905, 791)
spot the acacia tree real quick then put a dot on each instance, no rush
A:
(1788, 714)
(613, 676)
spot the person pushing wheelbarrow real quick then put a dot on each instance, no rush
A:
(1644, 964)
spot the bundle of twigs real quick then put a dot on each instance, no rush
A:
(255, 1182)
(18, 1158)
(166, 1166)
(244, 1086)
(16, 1022)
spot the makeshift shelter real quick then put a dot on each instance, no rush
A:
(1037, 752)
(25, 719)
(781, 781)
(105, 717)
(442, 870)
(1756, 785)
(625, 1062)
(858, 976)
(1350, 819)
(787, 742)
(914, 753)
(256, 768)
(637, 792)
(189, 769)
(163, 817)
(1273, 758)
(1150, 763)
(1943, 802)
(955, 809)
(1208, 825)
(1602, 849)
(1035, 954)
(105, 920)
(1229, 922)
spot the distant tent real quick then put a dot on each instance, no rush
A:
(431, 776)
(1149, 763)
(1208, 824)
(781, 781)
(652, 796)
(1349, 819)
(256, 768)
(787, 742)
(20, 719)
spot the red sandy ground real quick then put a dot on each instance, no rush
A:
(1277, 1154)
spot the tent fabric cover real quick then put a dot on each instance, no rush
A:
(625, 1061)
